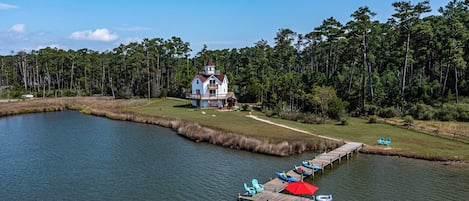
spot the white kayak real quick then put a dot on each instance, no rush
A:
(324, 198)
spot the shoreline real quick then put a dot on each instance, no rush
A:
(114, 109)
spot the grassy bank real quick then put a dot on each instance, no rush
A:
(236, 122)
(235, 130)
(405, 142)
(281, 145)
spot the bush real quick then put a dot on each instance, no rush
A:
(314, 119)
(269, 113)
(448, 112)
(372, 119)
(289, 115)
(244, 107)
(422, 112)
(388, 112)
(408, 119)
(336, 108)
(462, 112)
(344, 121)
(371, 109)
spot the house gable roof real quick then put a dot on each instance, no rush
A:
(209, 63)
(203, 78)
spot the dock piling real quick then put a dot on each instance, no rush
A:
(274, 186)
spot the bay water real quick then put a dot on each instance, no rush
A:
(71, 156)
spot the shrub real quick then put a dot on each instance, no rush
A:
(372, 119)
(269, 113)
(336, 108)
(462, 112)
(422, 111)
(314, 119)
(244, 107)
(289, 115)
(344, 121)
(69, 92)
(447, 112)
(408, 119)
(388, 112)
(371, 109)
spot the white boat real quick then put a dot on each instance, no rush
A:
(323, 197)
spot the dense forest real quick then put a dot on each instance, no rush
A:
(412, 64)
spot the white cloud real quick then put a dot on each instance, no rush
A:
(19, 28)
(97, 35)
(4, 6)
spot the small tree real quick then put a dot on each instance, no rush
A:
(245, 107)
(408, 120)
(323, 97)
(373, 119)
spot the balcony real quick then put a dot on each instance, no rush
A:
(206, 96)
(213, 86)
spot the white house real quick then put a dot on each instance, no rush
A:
(210, 89)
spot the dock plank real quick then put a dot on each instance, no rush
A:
(273, 187)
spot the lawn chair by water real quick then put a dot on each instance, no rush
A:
(381, 141)
(249, 190)
(387, 142)
(257, 186)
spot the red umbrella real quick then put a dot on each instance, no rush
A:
(301, 188)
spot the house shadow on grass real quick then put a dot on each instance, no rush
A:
(185, 106)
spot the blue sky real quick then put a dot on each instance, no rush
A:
(104, 24)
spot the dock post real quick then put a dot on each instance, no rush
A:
(332, 163)
(340, 158)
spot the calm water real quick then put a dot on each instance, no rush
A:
(71, 156)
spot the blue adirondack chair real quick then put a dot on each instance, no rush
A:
(257, 186)
(250, 190)
(381, 140)
(387, 142)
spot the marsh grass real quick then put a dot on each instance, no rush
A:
(281, 145)
(233, 121)
(405, 142)
(235, 130)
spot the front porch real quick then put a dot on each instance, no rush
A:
(211, 100)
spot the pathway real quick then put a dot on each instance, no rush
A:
(291, 128)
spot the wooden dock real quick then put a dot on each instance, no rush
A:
(273, 187)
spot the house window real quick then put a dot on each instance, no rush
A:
(212, 92)
(197, 91)
(197, 81)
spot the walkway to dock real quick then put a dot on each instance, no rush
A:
(273, 187)
(291, 128)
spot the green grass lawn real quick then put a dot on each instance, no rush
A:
(403, 140)
(234, 121)
(358, 130)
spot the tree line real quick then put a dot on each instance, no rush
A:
(363, 67)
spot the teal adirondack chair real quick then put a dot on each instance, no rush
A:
(387, 142)
(250, 190)
(381, 141)
(257, 186)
